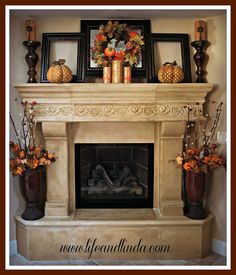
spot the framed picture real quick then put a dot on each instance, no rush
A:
(91, 27)
(168, 47)
(68, 46)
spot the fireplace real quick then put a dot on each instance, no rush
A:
(114, 175)
(145, 123)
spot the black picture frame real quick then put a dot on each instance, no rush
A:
(183, 39)
(47, 38)
(88, 25)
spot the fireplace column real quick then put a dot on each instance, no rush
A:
(170, 180)
(56, 138)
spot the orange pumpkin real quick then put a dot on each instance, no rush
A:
(59, 72)
(109, 51)
(170, 73)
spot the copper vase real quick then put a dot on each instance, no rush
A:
(127, 74)
(195, 188)
(107, 74)
(32, 185)
(117, 71)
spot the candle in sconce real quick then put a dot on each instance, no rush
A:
(30, 30)
(200, 30)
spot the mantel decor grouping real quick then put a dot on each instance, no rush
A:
(116, 51)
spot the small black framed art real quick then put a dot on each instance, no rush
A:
(74, 50)
(179, 49)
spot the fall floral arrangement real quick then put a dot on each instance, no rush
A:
(117, 42)
(205, 157)
(25, 154)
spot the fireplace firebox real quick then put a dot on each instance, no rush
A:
(114, 175)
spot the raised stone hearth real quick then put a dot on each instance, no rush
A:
(114, 113)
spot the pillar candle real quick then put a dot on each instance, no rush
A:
(30, 30)
(200, 30)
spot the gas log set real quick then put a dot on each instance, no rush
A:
(113, 182)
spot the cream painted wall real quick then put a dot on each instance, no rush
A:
(216, 68)
(18, 68)
(216, 74)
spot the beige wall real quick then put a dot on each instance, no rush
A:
(216, 74)
(18, 68)
(216, 68)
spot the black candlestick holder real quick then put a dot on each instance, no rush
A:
(31, 59)
(200, 58)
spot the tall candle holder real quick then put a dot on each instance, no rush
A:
(200, 58)
(31, 59)
(200, 46)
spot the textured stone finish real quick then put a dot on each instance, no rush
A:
(185, 238)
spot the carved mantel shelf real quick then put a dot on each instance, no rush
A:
(115, 102)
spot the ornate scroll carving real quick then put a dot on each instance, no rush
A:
(75, 112)
(53, 110)
(113, 110)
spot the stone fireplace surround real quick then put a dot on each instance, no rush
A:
(133, 113)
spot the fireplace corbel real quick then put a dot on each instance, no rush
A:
(56, 139)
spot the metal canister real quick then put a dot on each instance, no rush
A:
(127, 74)
(117, 71)
(107, 74)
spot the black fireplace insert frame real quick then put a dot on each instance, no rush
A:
(135, 202)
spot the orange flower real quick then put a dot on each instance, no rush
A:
(187, 166)
(21, 154)
(42, 161)
(19, 171)
(218, 160)
(207, 159)
(193, 151)
(191, 165)
(35, 163)
(100, 37)
(132, 34)
(37, 151)
(119, 55)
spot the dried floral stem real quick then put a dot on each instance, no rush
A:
(14, 127)
(187, 130)
(207, 138)
(24, 131)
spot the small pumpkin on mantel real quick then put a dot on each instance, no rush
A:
(170, 73)
(59, 72)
